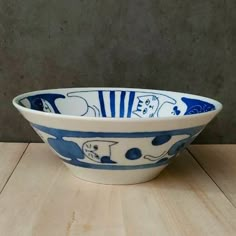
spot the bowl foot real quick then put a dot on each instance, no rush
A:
(116, 177)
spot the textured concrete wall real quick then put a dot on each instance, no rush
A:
(179, 45)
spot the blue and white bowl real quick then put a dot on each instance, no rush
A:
(116, 135)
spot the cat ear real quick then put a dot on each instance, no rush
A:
(141, 98)
(112, 143)
(100, 143)
(25, 102)
(137, 113)
(154, 98)
(47, 106)
(107, 143)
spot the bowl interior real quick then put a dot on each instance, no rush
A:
(117, 103)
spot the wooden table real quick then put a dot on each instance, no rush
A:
(195, 195)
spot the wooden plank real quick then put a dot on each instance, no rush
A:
(10, 154)
(43, 198)
(219, 161)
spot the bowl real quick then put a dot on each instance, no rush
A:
(116, 135)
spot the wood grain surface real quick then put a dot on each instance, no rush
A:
(42, 198)
(219, 161)
(10, 155)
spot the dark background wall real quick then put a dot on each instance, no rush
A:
(180, 45)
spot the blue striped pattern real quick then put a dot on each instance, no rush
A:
(122, 103)
(130, 105)
(112, 103)
(101, 99)
(116, 103)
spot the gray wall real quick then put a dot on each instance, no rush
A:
(179, 45)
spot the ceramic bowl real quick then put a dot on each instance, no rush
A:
(116, 135)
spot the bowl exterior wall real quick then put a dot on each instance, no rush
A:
(116, 151)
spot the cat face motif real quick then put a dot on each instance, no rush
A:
(147, 106)
(42, 102)
(43, 105)
(46, 106)
(98, 151)
(38, 104)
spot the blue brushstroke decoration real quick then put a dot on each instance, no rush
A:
(67, 149)
(36, 102)
(159, 140)
(130, 104)
(176, 111)
(112, 103)
(71, 150)
(195, 106)
(122, 103)
(107, 159)
(102, 104)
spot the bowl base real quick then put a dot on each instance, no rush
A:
(116, 177)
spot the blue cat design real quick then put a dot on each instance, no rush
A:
(74, 147)
(106, 103)
(149, 105)
(42, 102)
(98, 150)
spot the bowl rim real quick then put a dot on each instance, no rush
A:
(15, 101)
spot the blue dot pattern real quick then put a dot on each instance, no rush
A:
(133, 154)
(159, 140)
